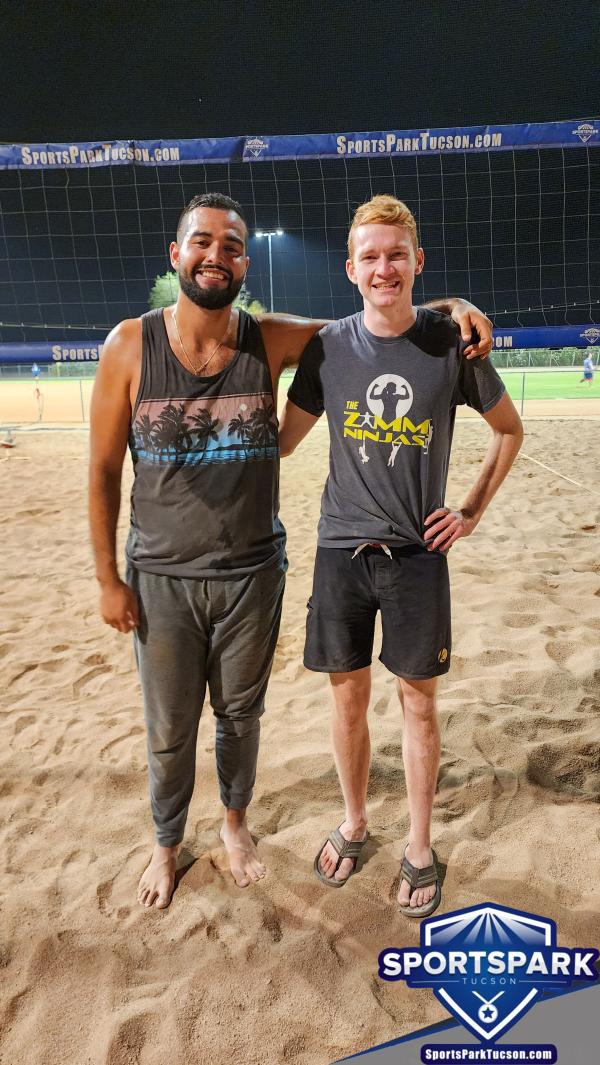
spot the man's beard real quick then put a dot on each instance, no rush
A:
(212, 299)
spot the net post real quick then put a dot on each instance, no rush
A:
(522, 391)
(81, 399)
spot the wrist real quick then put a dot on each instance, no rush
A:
(108, 576)
(471, 514)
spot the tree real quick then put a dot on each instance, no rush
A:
(172, 431)
(205, 427)
(241, 428)
(165, 290)
(263, 430)
(142, 431)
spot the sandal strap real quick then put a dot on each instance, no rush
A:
(345, 848)
(418, 878)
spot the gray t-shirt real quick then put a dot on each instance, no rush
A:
(390, 403)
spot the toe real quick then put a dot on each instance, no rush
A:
(323, 863)
(344, 870)
(328, 862)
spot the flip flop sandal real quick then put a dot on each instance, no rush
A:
(420, 878)
(344, 848)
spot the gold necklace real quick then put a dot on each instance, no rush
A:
(200, 369)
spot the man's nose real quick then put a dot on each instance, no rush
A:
(384, 266)
(214, 253)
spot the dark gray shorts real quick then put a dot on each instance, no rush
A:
(412, 591)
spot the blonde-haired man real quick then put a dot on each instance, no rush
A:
(390, 379)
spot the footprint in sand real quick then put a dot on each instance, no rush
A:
(272, 925)
(24, 722)
(570, 765)
(128, 1039)
(123, 748)
(83, 682)
(520, 621)
(116, 896)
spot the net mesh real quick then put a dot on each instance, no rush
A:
(517, 232)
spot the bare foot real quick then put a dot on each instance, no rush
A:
(158, 880)
(353, 832)
(244, 861)
(420, 857)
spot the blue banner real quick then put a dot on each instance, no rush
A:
(63, 351)
(67, 351)
(119, 153)
(571, 134)
(343, 145)
(550, 336)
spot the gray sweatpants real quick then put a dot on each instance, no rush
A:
(193, 633)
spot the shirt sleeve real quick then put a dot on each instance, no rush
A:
(479, 384)
(306, 390)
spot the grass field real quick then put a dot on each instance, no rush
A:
(67, 400)
(550, 384)
(539, 384)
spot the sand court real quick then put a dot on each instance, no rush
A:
(285, 971)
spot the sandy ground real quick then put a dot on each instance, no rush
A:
(284, 971)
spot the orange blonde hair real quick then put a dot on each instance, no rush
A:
(385, 210)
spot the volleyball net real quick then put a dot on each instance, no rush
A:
(509, 218)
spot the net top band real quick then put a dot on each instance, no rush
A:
(567, 134)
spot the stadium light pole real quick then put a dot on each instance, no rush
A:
(260, 233)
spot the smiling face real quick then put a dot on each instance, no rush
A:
(384, 264)
(211, 257)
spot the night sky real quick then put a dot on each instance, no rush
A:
(82, 71)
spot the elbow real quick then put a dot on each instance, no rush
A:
(285, 449)
(519, 436)
(512, 434)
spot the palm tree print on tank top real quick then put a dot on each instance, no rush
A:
(192, 431)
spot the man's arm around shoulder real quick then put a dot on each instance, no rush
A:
(115, 388)
(285, 337)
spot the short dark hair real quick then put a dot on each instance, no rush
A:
(217, 200)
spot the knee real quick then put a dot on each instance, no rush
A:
(417, 704)
(350, 713)
(240, 727)
(418, 699)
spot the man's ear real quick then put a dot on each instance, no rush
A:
(420, 261)
(351, 272)
(174, 254)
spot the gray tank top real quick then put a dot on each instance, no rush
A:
(205, 454)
